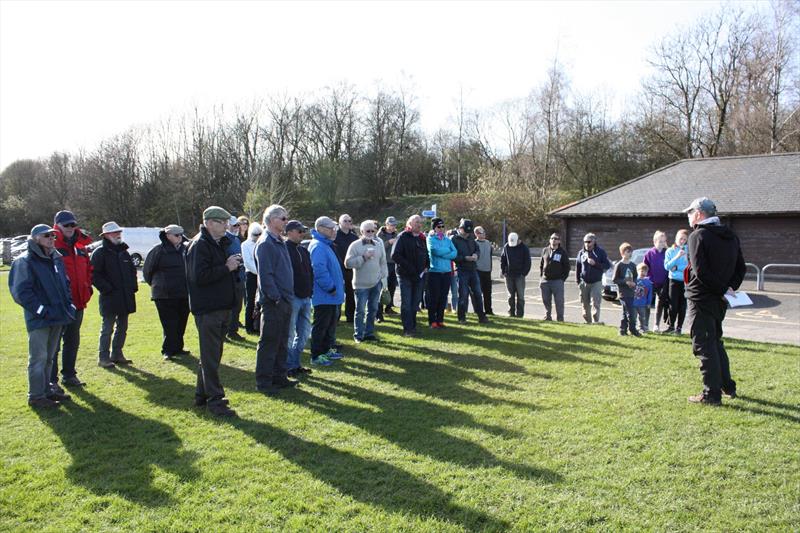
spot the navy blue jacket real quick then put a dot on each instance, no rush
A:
(39, 284)
(591, 273)
(275, 275)
(303, 272)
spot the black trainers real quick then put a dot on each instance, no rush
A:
(106, 363)
(121, 360)
(43, 403)
(705, 399)
(73, 381)
(370, 338)
(729, 393)
(57, 396)
(221, 409)
(235, 337)
(483, 320)
(285, 383)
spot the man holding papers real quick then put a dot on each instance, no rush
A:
(717, 267)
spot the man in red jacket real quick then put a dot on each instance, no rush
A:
(71, 242)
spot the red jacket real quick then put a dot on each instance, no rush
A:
(78, 267)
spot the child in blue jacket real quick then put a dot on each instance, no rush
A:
(643, 297)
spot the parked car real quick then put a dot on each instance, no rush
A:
(610, 289)
(139, 240)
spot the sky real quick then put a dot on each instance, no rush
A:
(74, 73)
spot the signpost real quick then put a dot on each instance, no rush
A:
(430, 213)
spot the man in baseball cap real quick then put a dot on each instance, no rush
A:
(72, 244)
(38, 283)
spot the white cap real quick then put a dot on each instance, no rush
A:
(513, 239)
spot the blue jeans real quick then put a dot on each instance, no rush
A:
(454, 291)
(628, 321)
(369, 298)
(410, 296)
(469, 287)
(42, 346)
(299, 330)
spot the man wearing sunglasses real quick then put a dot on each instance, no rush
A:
(591, 262)
(71, 243)
(553, 272)
(367, 258)
(38, 282)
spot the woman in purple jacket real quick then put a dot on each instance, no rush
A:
(654, 259)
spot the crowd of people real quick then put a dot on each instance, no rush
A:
(292, 294)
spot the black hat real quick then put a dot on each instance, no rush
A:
(466, 224)
(436, 222)
(295, 224)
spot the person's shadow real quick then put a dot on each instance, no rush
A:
(368, 480)
(113, 451)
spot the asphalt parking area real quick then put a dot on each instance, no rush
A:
(773, 317)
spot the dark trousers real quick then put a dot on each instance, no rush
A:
(392, 286)
(677, 304)
(173, 313)
(272, 346)
(706, 317)
(469, 286)
(238, 297)
(628, 321)
(323, 328)
(349, 296)
(486, 290)
(438, 289)
(71, 340)
(410, 297)
(662, 303)
(250, 297)
(211, 328)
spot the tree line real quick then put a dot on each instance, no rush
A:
(726, 85)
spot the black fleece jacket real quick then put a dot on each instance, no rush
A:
(716, 262)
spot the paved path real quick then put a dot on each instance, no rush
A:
(774, 316)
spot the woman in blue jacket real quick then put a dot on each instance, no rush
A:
(39, 283)
(441, 251)
(676, 259)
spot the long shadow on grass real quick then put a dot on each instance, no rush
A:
(114, 452)
(369, 481)
(416, 425)
(744, 407)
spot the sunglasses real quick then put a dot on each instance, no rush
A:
(588, 242)
(48, 235)
(439, 226)
(70, 225)
(369, 231)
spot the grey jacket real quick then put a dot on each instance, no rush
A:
(367, 272)
(484, 263)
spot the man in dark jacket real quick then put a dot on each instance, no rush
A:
(590, 264)
(210, 275)
(345, 236)
(515, 265)
(300, 322)
(469, 286)
(71, 243)
(114, 276)
(165, 271)
(553, 272)
(410, 256)
(388, 234)
(717, 268)
(276, 292)
(38, 282)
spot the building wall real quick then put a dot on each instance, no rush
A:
(764, 239)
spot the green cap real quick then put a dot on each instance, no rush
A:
(216, 213)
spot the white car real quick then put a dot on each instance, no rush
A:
(610, 289)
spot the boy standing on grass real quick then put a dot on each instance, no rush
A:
(643, 297)
(625, 278)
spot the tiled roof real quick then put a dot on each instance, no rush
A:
(764, 184)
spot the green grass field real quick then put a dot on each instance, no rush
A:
(519, 425)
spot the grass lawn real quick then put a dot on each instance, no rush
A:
(519, 425)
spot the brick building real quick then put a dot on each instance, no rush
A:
(758, 196)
